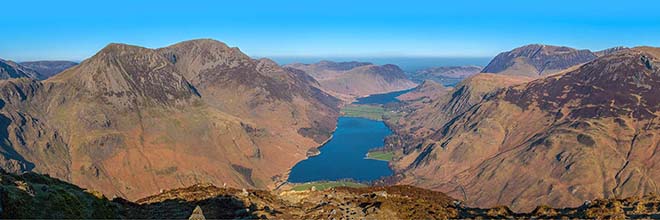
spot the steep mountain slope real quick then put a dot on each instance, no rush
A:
(128, 122)
(356, 79)
(446, 75)
(10, 69)
(430, 106)
(587, 133)
(47, 68)
(537, 60)
(268, 91)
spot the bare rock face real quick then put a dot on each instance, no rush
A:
(131, 121)
(537, 60)
(48, 68)
(356, 79)
(579, 135)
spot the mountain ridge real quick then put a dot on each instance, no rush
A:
(491, 154)
(356, 79)
(128, 121)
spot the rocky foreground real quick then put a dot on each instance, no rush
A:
(32, 195)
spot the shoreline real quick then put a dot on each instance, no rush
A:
(285, 176)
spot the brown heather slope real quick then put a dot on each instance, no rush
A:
(588, 133)
(428, 107)
(35, 196)
(128, 122)
(355, 79)
(536, 60)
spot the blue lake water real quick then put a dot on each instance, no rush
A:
(343, 157)
(381, 98)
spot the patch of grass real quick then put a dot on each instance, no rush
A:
(374, 112)
(326, 185)
(380, 155)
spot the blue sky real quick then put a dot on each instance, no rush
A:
(75, 30)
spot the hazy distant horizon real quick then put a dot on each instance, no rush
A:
(407, 63)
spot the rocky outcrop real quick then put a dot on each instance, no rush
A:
(355, 79)
(582, 134)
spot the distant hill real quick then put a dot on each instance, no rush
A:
(356, 78)
(446, 75)
(47, 68)
(11, 70)
(610, 51)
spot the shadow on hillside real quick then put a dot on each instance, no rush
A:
(220, 207)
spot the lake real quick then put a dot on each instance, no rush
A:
(381, 98)
(343, 157)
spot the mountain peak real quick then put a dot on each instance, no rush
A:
(124, 74)
(537, 60)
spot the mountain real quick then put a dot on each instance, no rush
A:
(10, 69)
(32, 196)
(537, 60)
(356, 79)
(47, 68)
(426, 90)
(447, 75)
(130, 121)
(584, 133)
(430, 106)
(609, 51)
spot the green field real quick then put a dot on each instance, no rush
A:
(379, 155)
(326, 185)
(373, 112)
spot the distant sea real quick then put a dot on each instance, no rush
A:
(408, 64)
